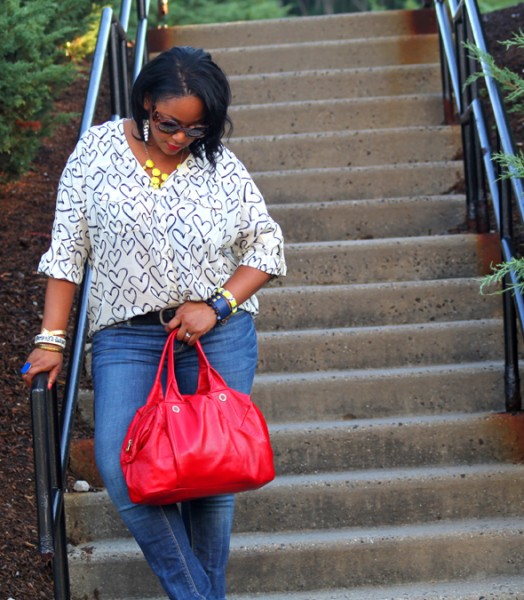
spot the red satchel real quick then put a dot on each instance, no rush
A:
(179, 447)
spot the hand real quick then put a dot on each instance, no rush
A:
(193, 318)
(43, 361)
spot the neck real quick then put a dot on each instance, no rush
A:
(158, 175)
(157, 155)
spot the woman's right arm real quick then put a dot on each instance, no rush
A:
(58, 303)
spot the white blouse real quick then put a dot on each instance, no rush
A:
(149, 249)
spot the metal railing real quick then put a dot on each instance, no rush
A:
(460, 24)
(52, 428)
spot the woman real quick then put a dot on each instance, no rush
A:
(177, 236)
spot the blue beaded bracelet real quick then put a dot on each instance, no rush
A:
(220, 305)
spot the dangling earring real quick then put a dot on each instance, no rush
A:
(145, 129)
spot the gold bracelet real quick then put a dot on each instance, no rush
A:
(57, 332)
(49, 348)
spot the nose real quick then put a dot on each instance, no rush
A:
(179, 137)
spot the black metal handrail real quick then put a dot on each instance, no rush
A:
(460, 24)
(52, 429)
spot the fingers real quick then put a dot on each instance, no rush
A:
(173, 324)
(25, 373)
(193, 320)
(42, 361)
(26, 368)
(188, 337)
(53, 376)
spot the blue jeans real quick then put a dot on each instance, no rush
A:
(187, 548)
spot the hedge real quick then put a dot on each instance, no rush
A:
(34, 69)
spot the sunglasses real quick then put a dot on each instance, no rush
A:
(171, 127)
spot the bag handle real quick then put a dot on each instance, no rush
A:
(157, 384)
(208, 378)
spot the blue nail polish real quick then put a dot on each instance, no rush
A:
(25, 368)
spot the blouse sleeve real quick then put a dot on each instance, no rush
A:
(70, 242)
(260, 243)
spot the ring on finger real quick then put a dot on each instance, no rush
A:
(25, 368)
(188, 335)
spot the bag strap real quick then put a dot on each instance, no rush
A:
(153, 398)
(208, 378)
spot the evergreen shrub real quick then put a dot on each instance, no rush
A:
(34, 68)
(512, 165)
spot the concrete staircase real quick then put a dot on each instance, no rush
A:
(380, 364)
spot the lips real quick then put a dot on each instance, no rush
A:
(172, 148)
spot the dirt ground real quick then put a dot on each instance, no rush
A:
(26, 212)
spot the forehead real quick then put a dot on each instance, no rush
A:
(185, 109)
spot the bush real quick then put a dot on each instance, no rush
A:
(512, 165)
(34, 69)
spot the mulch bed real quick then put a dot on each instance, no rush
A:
(26, 216)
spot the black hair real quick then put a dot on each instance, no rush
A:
(185, 71)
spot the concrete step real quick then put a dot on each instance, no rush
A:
(437, 440)
(382, 498)
(393, 259)
(331, 54)
(360, 183)
(336, 115)
(348, 148)
(392, 346)
(389, 392)
(495, 588)
(375, 304)
(369, 393)
(299, 29)
(328, 84)
(352, 558)
(346, 558)
(367, 219)
(337, 500)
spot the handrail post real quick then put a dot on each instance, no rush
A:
(141, 38)
(465, 117)
(511, 358)
(447, 90)
(511, 362)
(48, 481)
(118, 71)
(479, 188)
(40, 399)
(73, 373)
(481, 198)
(459, 24)
(114, 84)
(124, 73)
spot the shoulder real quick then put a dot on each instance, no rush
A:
(226, 164)
(229, 164)
(227, 156)
(105, 132)
(99, 141)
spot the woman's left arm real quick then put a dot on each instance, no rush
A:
(245, 282)
(259, 248)
(197, 318)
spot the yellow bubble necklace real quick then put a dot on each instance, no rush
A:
(157, 177)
